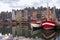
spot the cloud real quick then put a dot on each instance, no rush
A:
(56, 3)
(4, 7)
(21, 4)
(9, 1)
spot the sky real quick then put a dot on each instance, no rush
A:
(8, 5)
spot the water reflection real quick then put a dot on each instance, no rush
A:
(40, 34)
(48, 34)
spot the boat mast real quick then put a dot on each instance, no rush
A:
(48, 12)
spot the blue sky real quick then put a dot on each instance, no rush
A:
(8, 5)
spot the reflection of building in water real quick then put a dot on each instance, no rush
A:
(49, 34)
(55, 36)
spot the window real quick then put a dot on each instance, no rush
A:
(38, 15)
(22, 13)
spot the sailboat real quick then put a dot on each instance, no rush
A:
(48, 22)
(48, 25)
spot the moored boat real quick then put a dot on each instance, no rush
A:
(48, 24)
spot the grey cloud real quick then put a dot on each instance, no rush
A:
(9, 1)
(58, 1)
(37, 3)
(17, 6)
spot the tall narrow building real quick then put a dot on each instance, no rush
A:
(18, 15)
(13, 15)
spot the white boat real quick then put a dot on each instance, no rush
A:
(35, 25)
